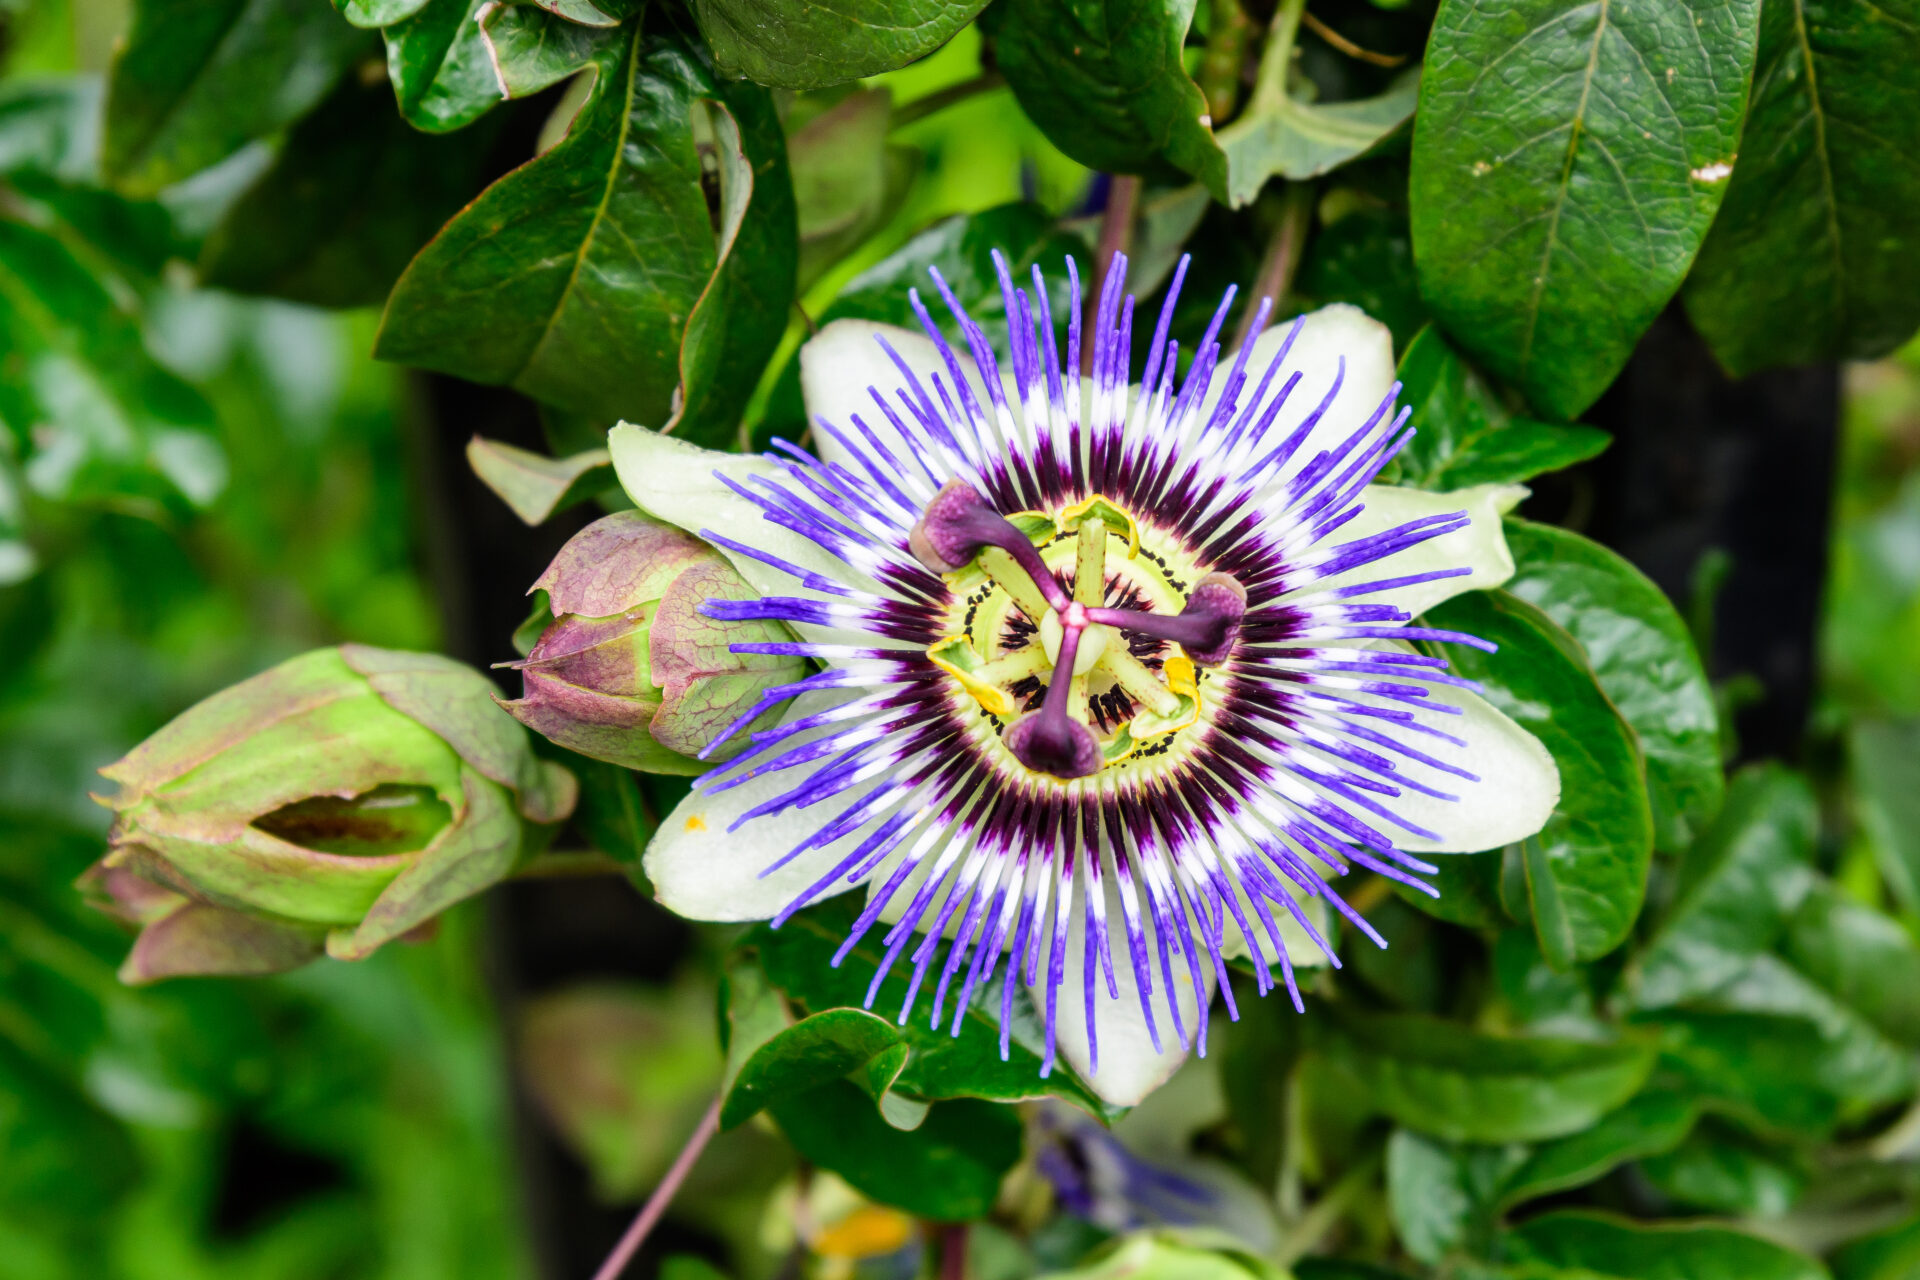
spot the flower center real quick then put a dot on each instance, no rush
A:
(1080, 681)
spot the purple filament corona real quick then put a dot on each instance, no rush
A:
(1311, 731)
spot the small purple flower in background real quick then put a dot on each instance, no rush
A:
(1096, 1177)
(1113, 676)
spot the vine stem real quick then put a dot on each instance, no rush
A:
(1116, 233)
(953, 1251)
(921, 108)
(1281, 261)
(656, 1205)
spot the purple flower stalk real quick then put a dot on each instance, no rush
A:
(1113, 678)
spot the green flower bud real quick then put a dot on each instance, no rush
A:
(630, 671)
(332, 803)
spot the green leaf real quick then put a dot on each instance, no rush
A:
(1469, 886)
(1586, 872)
(1650, 1123)
(847, 179)
(534, 485)
(1464, 436)
(1174, 1255)
(1365, 256)
(107, 421)
(804, 44)
(1812, 257)
(198, 79)
(1440, 1196)
(1885, 755)
(443, 78)
(1542, 1000)
(377, 13)
(58, 1151)
(1105, 81)
(1718, 1170)
(948, 1169)
(798, 958)
(1643, 656)
(1564, 162)
(612, 815)
(1893, 1254)
(594, 277)
(822, 1048)
(1594, 1246)
(349, 200)
(1735, 889)
(1282, 136)
(1445, 1080)
(1863, 957)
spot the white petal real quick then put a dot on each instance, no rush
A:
(703, 871)
(1129, 1067)
(1480, 547)
(839, 364)
(1518, 786)
(1326, 336)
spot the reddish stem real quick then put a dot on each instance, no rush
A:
(656, 1205)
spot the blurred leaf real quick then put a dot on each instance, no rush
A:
(1542, 999)
(1445, 1080)
(1465, 437)
(1893, 1254)
(1811, 258)
(798, 44)
(534, 485)
(1717, 1170)
(1283, 136)
(1863, 957)
(443, 78)
(106, 421)
(1469, 891)
(1591, 1246)
(1175, 1255)
(1885, 755)
(349, 200)
(1643, 656)
(1365, 256)
(1586, 872)
(1558, 203)
(1650, 1123)
(797, 957)
(1105, 81)
(1336, 1269)
(597, 277)
(1441, 1196)
(377, 13)
(51, 127)
(847, 180)
(58, 1151)
(948, 1169)
(612, 815)
(198, 79)
(1734, 891)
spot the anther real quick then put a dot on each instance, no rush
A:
(1206, 628)
(958, 523)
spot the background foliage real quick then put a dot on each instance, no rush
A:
(1674, 1034)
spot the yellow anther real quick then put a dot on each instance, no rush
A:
(957, 658)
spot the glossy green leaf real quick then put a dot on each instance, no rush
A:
(1445, 1080)
(1863, 957)
(797, 957)
(106, 420)
(1464, 436)
(1735, 889)
(1813, 255)
(1594, 1246)
(1718, 1170)
(847, 179)
(1586, 872)
(443, 78)
(805, 44)
(804, 1056)
(1567, 161)
(534, 485)
(1643, 656)
(948, 1169)
(595, 277)
(198, 79)
(349, 200)
(1105, 80)
(377, 13)
(1885, 755)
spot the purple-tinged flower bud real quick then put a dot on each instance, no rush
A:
(630, 670)
(329, 804)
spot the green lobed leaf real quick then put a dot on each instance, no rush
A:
(797, 957)
(1642, 653)
(1286, 137)
(351, 197)
(196, 80)
(534, 485)
(1564, 174)
(1464, 436)
(594, 277)
(1595, 1246)
(1863, 957)
(443, 78)
(948, 1169)
(1812, 257)
(1735, 889)
(1885, 755)
(1448, 1081)
(1586, 872)
(1105, 81)
(805, 44)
